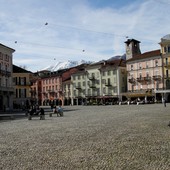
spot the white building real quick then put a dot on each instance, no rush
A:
(6, 85)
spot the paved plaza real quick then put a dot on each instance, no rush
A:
(134, 137)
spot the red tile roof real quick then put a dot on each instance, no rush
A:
(146, 55)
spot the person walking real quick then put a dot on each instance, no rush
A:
(164, 101)
(42, 115)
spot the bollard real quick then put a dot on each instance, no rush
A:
(42, 117)
(50, 114)
(29, 117)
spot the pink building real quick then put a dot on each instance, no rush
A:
(145, 74)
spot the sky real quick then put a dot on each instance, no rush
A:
(44, 32)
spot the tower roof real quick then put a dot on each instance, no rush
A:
(130, 40)
(166, 37)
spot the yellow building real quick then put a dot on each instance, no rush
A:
(22, 83)
(165, 50)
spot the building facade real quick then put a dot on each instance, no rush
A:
(6, 85)
(22, 84)
(100, 83)
(145, 75)
(165, 50)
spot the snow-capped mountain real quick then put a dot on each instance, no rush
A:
(66, 64)
(118, 57)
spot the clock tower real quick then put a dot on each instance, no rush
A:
(132, 48)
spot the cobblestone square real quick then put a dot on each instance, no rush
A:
(134, 137)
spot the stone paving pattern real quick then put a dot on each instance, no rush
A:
(89, 137)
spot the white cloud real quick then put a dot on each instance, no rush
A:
(74, 26)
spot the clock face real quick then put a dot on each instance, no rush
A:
(128, 50)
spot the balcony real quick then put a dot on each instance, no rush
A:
(6, 89)
(78, 87)
(147, 78)
(167, 76)
(92, 77)
(157, 77)
(60, 90)
(5, 73)
(167, 64)
(132, 80)
(108, 84)
(140, 79)
(92, 85)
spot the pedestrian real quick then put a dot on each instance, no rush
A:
(164, 101)
(60, 111)
(42, 114)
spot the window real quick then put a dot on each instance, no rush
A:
(104, 90)
(83, 83)
(22, 80)
(89, 92)
(147, 64)
(22, 93)
(115, 90)
(140, 66)
(165, 49)
(6, 83)
(156, 63)
(103, 81)
(1, 56)
(6, 68)
(114, 72)
(168, 49)
(108, 72)
(108, 81)
(131, 67)
(79, 84)
(123, 79)
(78, 77)
(103, 73)
(115, 80)
(109, 91)
(166, 61)
(97, 81)
(16, 92)
(140, 76)
(147, 75)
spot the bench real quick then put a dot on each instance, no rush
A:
(42, 117)
(7, 117)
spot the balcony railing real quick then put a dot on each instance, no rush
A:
(132, 80)
(140, 79)
(108, 84)
(157, 77)
(167, 76)
(78, 87)
(147, 78)
(6, 89)
(5, 73)
(92, 77)
(167, 64)
(92, 85)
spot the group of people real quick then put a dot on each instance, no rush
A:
(58, 110)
